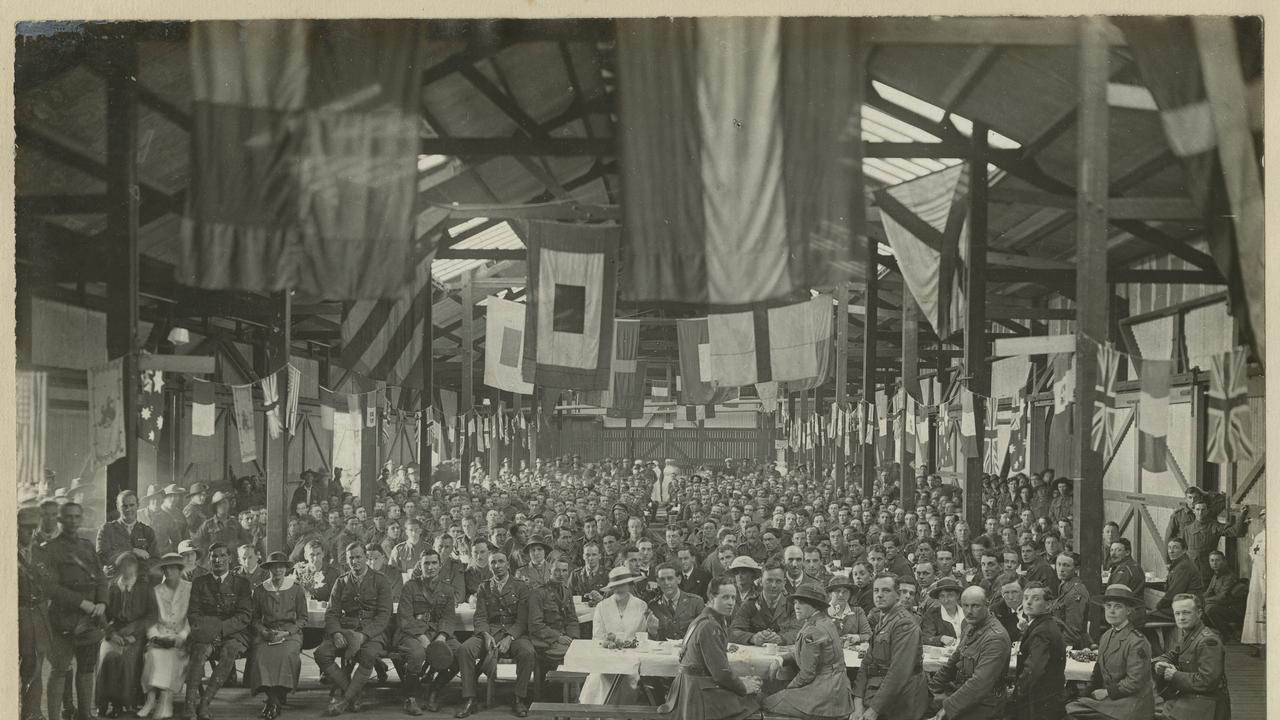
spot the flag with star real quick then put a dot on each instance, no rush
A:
(150, 405)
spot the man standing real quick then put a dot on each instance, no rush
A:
(1183, 578)
(34, 576)
(974, 689)
(553, 619)
(1071, 606)
(76, 615)
(355, 625)
(426, 617)
(1121, 687)
(501, 623)
(1201, 536)
(221, 528)
(1189, 677)
(1042, 660)
(219, 612)
(674, 608)
(125, 534)
(891, 684)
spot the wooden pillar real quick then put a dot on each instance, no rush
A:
(804, 415)
(495, 444)
(871, 302)
(791, 458)
(534, 419)
(122, 234)
(279, 351)
(369, 452)
(518, 406)
(426, 404)
(1091, 286)
(466, 401)
(911, 387)
(975, 322)
(842, 373)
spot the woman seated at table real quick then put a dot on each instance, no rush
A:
(850, 621)
(165, 664)
(120, 655)
(279, 613)
(622, 614)
(943, 623)
(705, 687)
(820, 689)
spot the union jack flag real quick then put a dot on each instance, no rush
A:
(1230, 424)
(1105, 420)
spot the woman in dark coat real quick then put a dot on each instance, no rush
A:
(279, 613)
(129, 606)
(820, 690)
(705, 688)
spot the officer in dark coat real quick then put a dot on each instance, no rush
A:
(891, 679)
(219, 611)
(1042, 660)
(501, 622)
(76, 616)
(971, 685)
(1121, 687)
(425, 619)
(1125, 570)
(1071, 606)
(1183, 578)
(355, 625)
(126, 534)
(553, 619)
(34, 575)
(1190, 677)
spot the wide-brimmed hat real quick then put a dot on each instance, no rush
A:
(621, 576)
(218, 497)
(537, 542)
(842, 581)
(123, 557)
(810, 593)
(197, 488)
(168, 559)
(187, 546)
(1118, 593)
(944, 583)
(276, 558)
(745, 562)
(153, 490)
(174, 489)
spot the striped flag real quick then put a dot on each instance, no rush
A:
(739, 155)
(1106, 424)
(1230, 436)
(968, 425)
(694, 345)
(774, 344)
(291, 403)
(304, 152)
(626, 373)
(383, 339)
(504, 346)
(32, 412)
(569, 316)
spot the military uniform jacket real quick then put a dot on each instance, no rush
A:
(1199, 683)
(33, 578)
(757, 615)
(115, 538)
(1183, 578)
(552, 615)
(474, 577)
(1072, 607)
(77, 577)
(219, 609)
(1220, 586)
(1041, 673)
(674, 617)
(1044, 572)
(196, 515)
(974, 675)
(534, 577)
(454, 572)
(426, 607)
(583, 580)
(1124, 670)
(226, 531)
(1131, 574)
(362, 604)
(891, 679)
(502, 611)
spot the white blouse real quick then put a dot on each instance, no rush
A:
(172, 606)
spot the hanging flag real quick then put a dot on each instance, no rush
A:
(1217, 140)
(770, 344)
(32, 408)
(150, 405)
(1230, 436)
(202, 409)
(1017, 436)
(1064, 383)
(968, 425)
(926, 223)
(625, 398)
(753, 118)
(1105, 425)
(768, 394)
(271, 404)
(569, 316)
(694, 345)
(1004, 438)
(383, 339)
(106, 412)
(1153, 414)
(305, 142)
(291, 403)
(922, 437)
(242, 402)
(504, 346)
(328, 406)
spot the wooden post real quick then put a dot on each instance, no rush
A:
(495, 444)
(842, 373)
(871, 302)
(369, 453)
(910, 386)
(1091, 285)
(279, 351)
(791, 456)
(426, 405)
(534, 418)
(975, 322)
(518, 406)
(466, 402)
(804, 418)
(122, 231)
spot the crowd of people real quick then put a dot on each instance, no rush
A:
(149, 611)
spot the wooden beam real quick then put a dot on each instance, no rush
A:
(1035, 345)
(1092, 293)
(977, 31)
(426, 398)
(965, 80)
(1019, 312)
(842, 372)
(480, 254)
(1014, 260)
(467, 398)
(975, 320)
(1113, 275)
(279, 353)
(512, 146)
(62, 204)
(1120, 208)
(188, 364)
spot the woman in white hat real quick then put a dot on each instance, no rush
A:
(622, 615)
(165, 664)
(190, 554)
(279, 613)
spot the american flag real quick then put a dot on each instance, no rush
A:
(32, 407)
(1105, 425)
(1230, 424)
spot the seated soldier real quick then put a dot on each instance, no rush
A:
(553, 619)
(355, 625)
(218, 612)
(766, 618)
(501, 624)
(1223, 603)
(1190, 677)
(673, 609)
(971, 685)
(1183, 579)
(1040, 678)
(890, 683)
(1007, 609)
(1121, 686)
(425, 618)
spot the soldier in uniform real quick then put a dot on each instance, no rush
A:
(33, 618)
(502, 612)
(1071, 606)
(537, 571)
(478, 572)
(766, 618)
(890, 683)
(219, 611)
(425, 618)
(222, 527)
(355, 625)
(553, 619)
(971, 685)
(196, 512)
(77, 613)
(673, 609)
(1183, 578)
(820, 689)
(1121, 687)
(1042, 660)
(125, 534)
(587, 580)
(1126, 571)
(1202, 535)
(169, 524)
(1190, 677)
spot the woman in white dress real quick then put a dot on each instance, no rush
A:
(623, 615)
(1253, 629)
(165, 664)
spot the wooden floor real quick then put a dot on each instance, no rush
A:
(1247, 678)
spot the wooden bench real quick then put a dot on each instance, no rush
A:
(571, 682)
(566, 711)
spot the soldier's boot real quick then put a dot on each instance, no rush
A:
(338, 680)
(354, 690)
(437, 686)
(409, 682)
(191, 701)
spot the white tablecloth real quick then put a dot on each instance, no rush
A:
(466, 613)
(587, 656)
